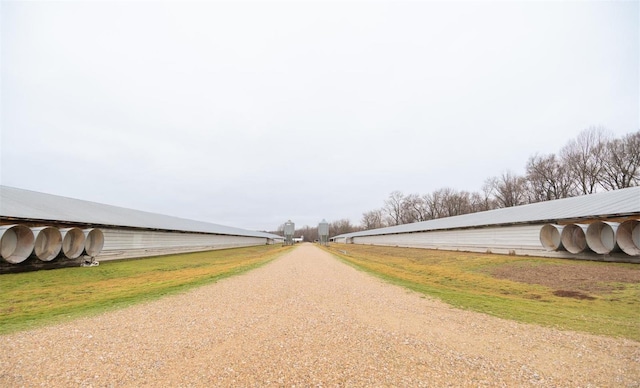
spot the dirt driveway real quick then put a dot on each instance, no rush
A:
(307, 319)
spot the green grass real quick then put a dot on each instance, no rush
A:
(465, 280)
(33, 299)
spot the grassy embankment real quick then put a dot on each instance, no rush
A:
(36, 298)
(525, 289)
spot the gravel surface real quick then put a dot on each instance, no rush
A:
(307, 319)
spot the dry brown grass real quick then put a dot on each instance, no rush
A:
(596, 297)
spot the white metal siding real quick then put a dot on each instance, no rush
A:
(521, 237)
(125, 243)
(519, 240)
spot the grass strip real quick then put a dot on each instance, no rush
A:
(609, 306)
(33, 299)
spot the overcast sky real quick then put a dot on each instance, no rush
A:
(250, 113)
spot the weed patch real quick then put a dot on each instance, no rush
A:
(572, 294)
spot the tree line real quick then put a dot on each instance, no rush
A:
(594, 161)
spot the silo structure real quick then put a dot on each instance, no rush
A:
(323, 232)
(289, 231)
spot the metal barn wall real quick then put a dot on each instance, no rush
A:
(501, 239)
(126, 243)
(339, 240)
(590, 224)
(516, 240)
(110, 232)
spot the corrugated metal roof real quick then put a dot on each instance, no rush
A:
(19, 203)
(607, 204)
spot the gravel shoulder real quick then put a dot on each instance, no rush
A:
(307, 319)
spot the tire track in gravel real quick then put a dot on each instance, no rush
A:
(307, 319)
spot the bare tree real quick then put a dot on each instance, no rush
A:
(393, 208)
(413, 209)
(433, 204)
(308, 233)
(481, 202)
(585, 157)
(454, 203)
(548, 178)
(373, 219)
(508, 190)
(447, 202)
(341, 226)
(621, 167)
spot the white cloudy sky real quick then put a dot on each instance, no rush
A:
(251, 113)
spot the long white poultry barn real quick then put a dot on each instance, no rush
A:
(42, 231)
(603, 226)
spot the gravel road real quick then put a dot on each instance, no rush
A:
(306, 319)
